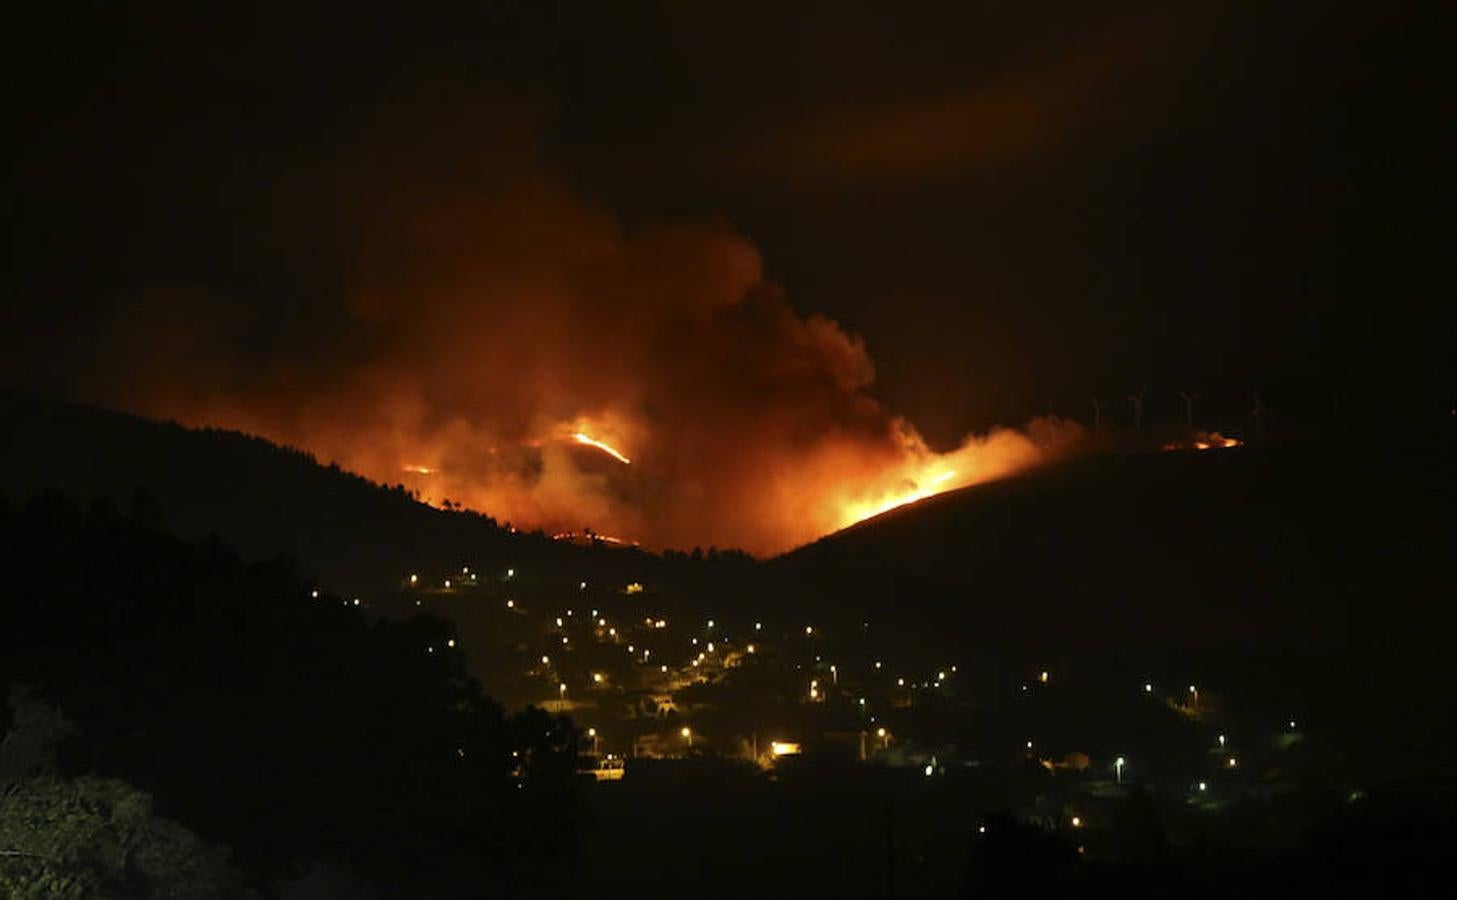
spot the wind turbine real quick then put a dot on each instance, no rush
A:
(1137, 401)
(1188, 399)
(1259, 412)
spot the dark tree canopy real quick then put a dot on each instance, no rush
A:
(287, 726)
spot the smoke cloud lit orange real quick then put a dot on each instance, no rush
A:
(524, 355)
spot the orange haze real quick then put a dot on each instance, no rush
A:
(516, 354)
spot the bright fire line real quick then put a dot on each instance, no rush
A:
(861, 512)
(581, 438)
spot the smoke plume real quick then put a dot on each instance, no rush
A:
(483, 344)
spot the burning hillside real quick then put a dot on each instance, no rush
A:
(529, 358)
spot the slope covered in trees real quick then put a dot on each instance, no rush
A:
(281, 724)
(357, 536)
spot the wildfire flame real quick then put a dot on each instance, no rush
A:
(859, 512)
(589, 539)
(582, 438)
(508, 350)
(1204, 440)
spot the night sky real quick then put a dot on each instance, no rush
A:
(1016, 206)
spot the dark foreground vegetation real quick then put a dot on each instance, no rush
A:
(186, 724)
(820, 830)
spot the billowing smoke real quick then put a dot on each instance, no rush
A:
(484, 342)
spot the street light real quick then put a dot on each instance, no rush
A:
(592, 733)
(562, 690)
(1118, 768)
(687, 735)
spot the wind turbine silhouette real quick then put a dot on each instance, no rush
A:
(1188, 399)
(1259, 412)
(1137, 401)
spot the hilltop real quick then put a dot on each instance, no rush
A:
(356, 536)
(1298, 545)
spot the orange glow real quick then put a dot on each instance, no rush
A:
(859, 512)
(914, 472)
(1204, 440)
(581, 438)
(750, 425)
(587, 540)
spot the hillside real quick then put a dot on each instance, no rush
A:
(355, 536)
(1303, 545)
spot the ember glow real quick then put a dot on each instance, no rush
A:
(935, 485)
(527, 326)
(1204, 440)
(581, 438)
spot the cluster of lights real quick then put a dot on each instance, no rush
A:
(816, 693)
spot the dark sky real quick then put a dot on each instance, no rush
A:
(1016, 204)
